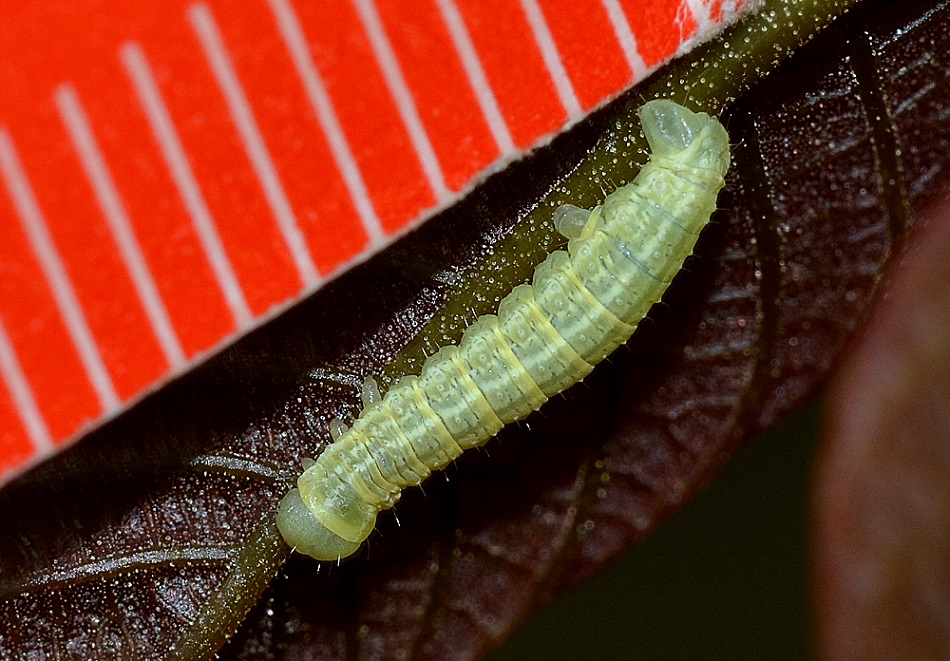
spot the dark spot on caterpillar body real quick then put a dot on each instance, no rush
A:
(582, 304)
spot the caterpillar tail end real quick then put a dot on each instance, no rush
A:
(301, 530)
(672, 129)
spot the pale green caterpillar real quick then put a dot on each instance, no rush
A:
(582, 304)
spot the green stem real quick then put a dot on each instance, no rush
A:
(252, 568)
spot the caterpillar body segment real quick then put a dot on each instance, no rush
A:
(581, 305)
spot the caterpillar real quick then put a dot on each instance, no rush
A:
(582, 304)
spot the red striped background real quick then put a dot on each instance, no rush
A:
(171, 173)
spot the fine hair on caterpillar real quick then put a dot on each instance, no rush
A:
(581, 305)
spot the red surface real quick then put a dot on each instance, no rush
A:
(257, 250)
(304, 162)
(103, 285)
(446, 102)
(659, 27)
(38, 334)
(371, 123)
(15, 447)
(183, 276)
(589, 48)
(525, 93)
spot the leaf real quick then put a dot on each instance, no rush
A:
(119, 550)
(883, 486)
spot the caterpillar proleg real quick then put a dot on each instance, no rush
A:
(581, 305)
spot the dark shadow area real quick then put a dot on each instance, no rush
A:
(723, 579)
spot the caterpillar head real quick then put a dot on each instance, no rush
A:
(304, 532)
(678, 133)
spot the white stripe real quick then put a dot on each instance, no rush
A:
(399, 89)
(476, 75)
(23, 397)
(97, 171)
(552, 58)
(292, 34)
(701, 13)
(628, 42)
(217, 55)
(146, 87)
(41, 242)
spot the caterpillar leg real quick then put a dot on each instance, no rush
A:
(337, 428)
(370, 394)
(570, 220)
